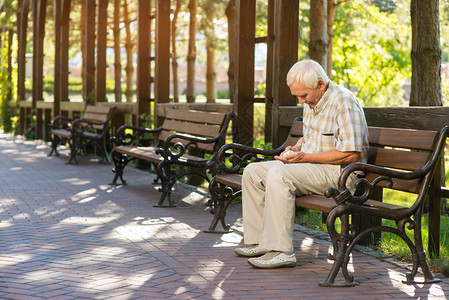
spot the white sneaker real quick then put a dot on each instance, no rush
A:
(273, 259)
(251, 251)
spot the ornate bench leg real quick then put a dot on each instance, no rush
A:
(220, 201)
(55, 140)
(104, 156)
(168, 179)
(120, 162)
(342, 252)
(419, 256)
(73, 151)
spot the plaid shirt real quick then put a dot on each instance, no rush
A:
(336, 122)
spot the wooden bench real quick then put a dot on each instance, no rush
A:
(182, 141)
(398, 159)
(91, 127)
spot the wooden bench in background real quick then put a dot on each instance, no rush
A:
(91, 127)
(398, 159)
(177, 148)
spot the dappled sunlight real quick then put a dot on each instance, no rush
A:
(83, 220)
(76, 181)
(12, 259)
(81, 195)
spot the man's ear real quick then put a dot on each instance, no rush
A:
(321, 84)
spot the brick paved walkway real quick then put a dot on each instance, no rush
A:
(67, 234)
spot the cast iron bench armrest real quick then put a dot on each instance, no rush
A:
(123, 138)
(240, 155)
(180, 148)
(61, 122)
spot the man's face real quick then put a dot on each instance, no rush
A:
(311, 97)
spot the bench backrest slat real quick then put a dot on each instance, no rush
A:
(191, 122)
(97, 113)
(402, 138)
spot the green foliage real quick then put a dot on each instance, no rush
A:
(371, 54)
(147, 122)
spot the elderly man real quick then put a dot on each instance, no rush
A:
(335, 134)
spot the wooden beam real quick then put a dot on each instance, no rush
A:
(243, 128)
(39, 14)
(269, 72)
(22, 25)
(143, 56)
(100, 75)
(162, 61)
(89, 50)
(57, 6)
(64, 55)
(286, 21)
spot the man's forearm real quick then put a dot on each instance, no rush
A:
(334, 157)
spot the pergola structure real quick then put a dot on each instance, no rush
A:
(282, 42)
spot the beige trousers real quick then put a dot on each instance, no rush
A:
(268, 191)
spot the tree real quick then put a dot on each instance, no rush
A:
(117, 63)
(331, 6)
(129, 45)
(426, 54)
(318, 42)
(174, 51)
(371, 53)
(191, 55)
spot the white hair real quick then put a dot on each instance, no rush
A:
(307, 72)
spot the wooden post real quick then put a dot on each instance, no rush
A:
(61, 83)
(269, 74)
(22, 25)
(162, 64)
(243, 97)
(285, 55)
(64, 55)
(39, 13)
(143, 57)
(434, 212)
(100, 82)
(57, 4)
(89, 52)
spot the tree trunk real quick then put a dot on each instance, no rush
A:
(191, 56)
(117, 63)
(210, 67)
(331, 6)
(426, 61)
(129, 53)
(230, 14)
(426, 54)
(174, 62)
(318, 43)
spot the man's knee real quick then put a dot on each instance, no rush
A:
(250, 170)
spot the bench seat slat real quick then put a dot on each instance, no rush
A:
(326, 205)
(147, 153)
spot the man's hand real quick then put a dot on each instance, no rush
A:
(290, 156)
